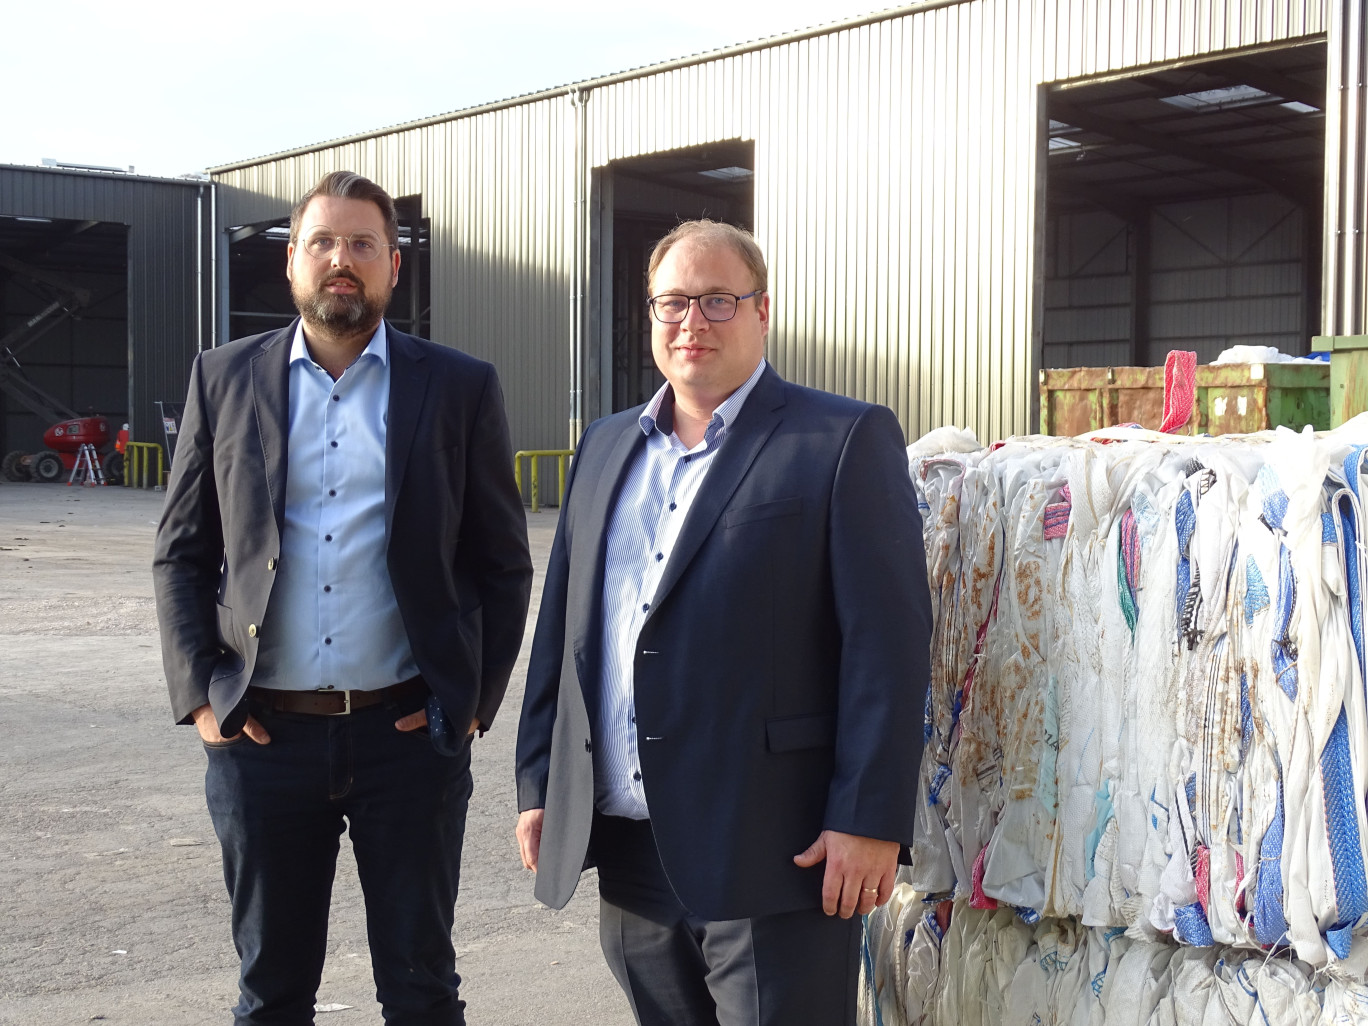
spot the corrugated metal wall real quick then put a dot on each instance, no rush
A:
(1221, 272)
(1345, 289)
(168, 313)
(497, 190)
(896, 193)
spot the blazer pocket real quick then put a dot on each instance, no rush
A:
(791, 733)
(789, 507)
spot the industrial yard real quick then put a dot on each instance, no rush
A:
(113, 908)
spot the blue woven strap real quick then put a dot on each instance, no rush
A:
(1270, 923)
(1191, 926)
(1341, 825)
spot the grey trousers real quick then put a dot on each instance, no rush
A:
(789, 969)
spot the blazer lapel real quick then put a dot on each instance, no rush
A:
(759, 417)
(271, 397)
(408, 386)
(586, 586)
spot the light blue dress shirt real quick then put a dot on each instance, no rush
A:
(656, 497)
(333, 620)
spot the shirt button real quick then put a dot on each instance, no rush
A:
(251, 630)
(645, 607)
(327, 537)
(327, 587)
(687, 458)
(271, 563)
(672, 507)
(659, 556)
(587, 746)
(333, 444)
(636, 775)
(332, 492)
(327, 641)
(337, 398)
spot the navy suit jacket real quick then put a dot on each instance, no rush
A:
(456, 533)
(781, 673)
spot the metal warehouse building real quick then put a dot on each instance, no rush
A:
(102, 304)
(951, 195)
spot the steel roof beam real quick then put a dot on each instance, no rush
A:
(1287, 185)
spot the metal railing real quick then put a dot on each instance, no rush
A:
(534, 456)
(138, 462)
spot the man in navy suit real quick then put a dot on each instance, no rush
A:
(342, 578)
(724, 701)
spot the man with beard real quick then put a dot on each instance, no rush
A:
(342, 577)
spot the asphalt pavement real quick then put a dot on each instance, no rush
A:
(112, 905)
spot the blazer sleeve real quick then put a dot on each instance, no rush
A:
(188, 559)
(883, 608)
(532, 760)
(494, 547)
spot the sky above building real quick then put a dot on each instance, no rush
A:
(174, 89)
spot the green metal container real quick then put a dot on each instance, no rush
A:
(1348, 374)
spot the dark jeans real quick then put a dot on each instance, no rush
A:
(788, 969)
(279, 810)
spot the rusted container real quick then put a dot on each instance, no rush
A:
(1231, 398)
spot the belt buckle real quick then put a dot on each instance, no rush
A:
(346, 704)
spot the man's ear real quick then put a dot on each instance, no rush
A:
(289, 262)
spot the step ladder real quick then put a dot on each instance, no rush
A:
(87, 470)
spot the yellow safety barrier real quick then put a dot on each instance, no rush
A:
(533, 455)
(137, 463)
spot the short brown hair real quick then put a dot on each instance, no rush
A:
(349, 185)
(714, 233)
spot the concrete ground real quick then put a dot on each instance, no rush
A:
(112, 907)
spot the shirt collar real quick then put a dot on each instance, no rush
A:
(377, 347)
(660, 410)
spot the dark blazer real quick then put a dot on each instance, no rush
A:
(455, 528)
(781, 673)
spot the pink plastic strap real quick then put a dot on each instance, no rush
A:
(1180, 389)
(978, 899)
(1203, 877)
(1057, 515)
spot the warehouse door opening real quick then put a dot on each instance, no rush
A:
(259, 293)
(1184, 210)
(63, 326)
(639, 201)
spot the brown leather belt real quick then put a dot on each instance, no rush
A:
(336, 703)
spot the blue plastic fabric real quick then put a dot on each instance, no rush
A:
(1191, 926)
(1341, 825)
(1270, 922)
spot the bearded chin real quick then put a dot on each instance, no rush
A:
(341, 313)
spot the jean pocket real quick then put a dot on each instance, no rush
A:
(227, 742)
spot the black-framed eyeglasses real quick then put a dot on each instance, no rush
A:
(322, 242)
(672, 308)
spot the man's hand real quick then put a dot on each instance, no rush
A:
(208, 729)
(859, 871)
(419, 719)
(529, 837)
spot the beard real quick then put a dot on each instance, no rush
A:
(357, 312)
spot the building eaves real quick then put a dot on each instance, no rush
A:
(104, 176)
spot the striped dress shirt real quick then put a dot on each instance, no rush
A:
(656, 497)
